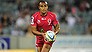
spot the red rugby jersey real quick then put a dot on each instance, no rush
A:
(43, 23)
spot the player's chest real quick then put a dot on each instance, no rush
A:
(44, 20)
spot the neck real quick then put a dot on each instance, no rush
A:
(44, 14)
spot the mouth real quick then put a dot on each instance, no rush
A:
(44, 11)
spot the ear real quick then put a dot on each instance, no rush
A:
(47, 7)
(39, 7)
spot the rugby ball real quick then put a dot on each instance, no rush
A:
(50, 36)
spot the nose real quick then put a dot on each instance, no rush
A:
(43, 7)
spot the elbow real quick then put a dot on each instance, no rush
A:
(59, 29)
(33, 32)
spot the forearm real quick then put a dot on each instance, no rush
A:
(56, 31)
(56, 28)
(37, 33)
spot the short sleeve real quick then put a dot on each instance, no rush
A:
(33, 21)
(55, 21)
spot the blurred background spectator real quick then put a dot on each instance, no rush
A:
(90, 27)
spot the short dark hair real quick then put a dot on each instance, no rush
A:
(42, 2)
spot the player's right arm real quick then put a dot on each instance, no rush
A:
(34, 27)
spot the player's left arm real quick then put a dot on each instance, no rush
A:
(56, 28)
(56, 24)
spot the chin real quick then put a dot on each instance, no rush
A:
(43, 12)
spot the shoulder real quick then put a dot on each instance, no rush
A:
(52, 14)
(35, 14)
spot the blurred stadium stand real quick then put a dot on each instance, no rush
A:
(12, 7)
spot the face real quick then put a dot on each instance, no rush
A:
(43, 7)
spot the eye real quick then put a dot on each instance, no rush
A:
(41, 6)
(45, 6)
